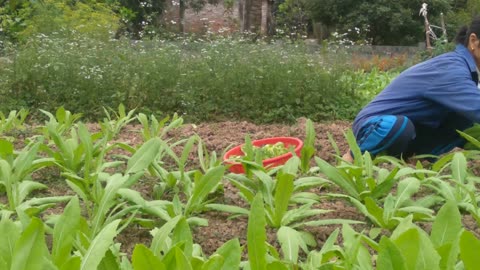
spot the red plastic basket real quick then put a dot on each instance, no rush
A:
(270, 162)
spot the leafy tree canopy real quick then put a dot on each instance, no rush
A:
(21, 19)
(383, 21)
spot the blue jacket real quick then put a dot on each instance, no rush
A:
(430, 91)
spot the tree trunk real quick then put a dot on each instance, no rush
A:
(270, 19)
(264, 21)
(246, 18)
(241, 15)
(181, 16)
(427, 36)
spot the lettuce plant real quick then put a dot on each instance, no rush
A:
(172, 248)
(113, 122)
(14, 120)
(151, 127)
(26, 247)
(15, 176)
(61, 122)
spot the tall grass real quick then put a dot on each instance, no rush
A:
(201, 80)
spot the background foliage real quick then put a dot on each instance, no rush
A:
(386, 22)
(28, 19)
(201, 80)
(87, 54)
(380, 21)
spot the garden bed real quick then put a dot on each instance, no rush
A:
(222, 135)
(122, 171)
(219, 137)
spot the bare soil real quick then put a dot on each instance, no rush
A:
(221, 136)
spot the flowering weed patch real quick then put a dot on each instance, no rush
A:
(199, 80)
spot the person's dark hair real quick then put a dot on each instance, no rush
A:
(466, 31)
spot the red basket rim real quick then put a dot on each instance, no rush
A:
(298, 146)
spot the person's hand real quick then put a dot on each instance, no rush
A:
(348, 156)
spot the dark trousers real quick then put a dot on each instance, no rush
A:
(399, 136)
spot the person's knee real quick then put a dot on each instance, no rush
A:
(405, 135)
(408, 133)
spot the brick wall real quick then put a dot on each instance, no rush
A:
(213, 18)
